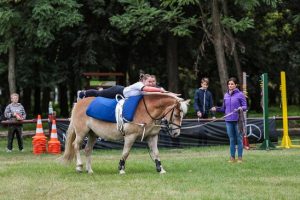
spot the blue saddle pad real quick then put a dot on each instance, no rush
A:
(104, 108)
(129, 107)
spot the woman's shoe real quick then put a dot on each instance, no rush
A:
(240, 160)
(232, 160)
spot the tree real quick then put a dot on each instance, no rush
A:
(218, 35)
(33, 25)
(221, 27)
(9, 23)
(141, 18)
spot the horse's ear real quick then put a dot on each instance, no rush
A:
(187, 101)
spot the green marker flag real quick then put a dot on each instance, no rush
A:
(266, 145)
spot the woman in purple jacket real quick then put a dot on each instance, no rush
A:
(234, 100)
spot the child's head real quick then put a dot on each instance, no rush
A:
(146, 79)
(154, 82)
(204, 82)
(14, 98)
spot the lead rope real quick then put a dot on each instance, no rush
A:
(195, 126)
(139, 124)
(144, 127)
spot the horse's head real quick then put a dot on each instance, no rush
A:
(167, 108)
(173, 119)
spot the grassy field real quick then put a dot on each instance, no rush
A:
(192, 173)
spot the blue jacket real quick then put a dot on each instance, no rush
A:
(232, 102)
(203, 101)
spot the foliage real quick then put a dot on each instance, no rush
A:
(50, 17)
(36, 19)
(9, 24)
(38, 24)
(236, 26)
(251, 4)
(140, 18)
(296, 19)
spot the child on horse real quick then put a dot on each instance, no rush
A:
(145, 84)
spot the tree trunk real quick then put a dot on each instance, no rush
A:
(45, 99)
(233, 47)
(73, 91)
(73, 85)
(172, 64)
(123, 55)
(63, 100)
(27, 99)
(11, 69)
(37, 100)
(218, 45)
(238, 66)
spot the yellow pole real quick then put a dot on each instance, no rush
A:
(286, 141)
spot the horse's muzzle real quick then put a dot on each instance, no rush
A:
(176, 134)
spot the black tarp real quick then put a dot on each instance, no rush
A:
(202, 135)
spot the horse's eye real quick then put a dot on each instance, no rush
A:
(177, 116)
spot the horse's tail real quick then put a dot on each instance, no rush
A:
(69, 153)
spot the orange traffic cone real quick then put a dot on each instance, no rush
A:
(54, 143)
(39, 140)
(246, 142)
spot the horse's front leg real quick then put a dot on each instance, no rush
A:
(88, 152)
(77, 144)
(152, 143)
(128, 142)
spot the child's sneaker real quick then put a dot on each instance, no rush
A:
(80, 95)
(8, 150)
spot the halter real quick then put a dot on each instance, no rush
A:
(170, 122)
(164, 122)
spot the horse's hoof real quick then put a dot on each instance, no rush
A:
(90, 171)
(162, 171)
(122, 171)
(79, 169)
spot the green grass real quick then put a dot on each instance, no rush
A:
(192, 173)
(293, 110)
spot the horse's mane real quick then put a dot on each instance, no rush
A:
(169, 94)
(183, 104)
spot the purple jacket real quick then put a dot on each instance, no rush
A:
(232, 102)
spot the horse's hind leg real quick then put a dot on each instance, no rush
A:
(77, 143)
(128, 142)
(88, 152)
(152, 143)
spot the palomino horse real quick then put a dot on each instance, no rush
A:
(153, 108)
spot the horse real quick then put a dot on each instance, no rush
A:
(152, 109)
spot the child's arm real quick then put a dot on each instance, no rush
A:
(7, 113)
(22, 112)
(152, 89)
